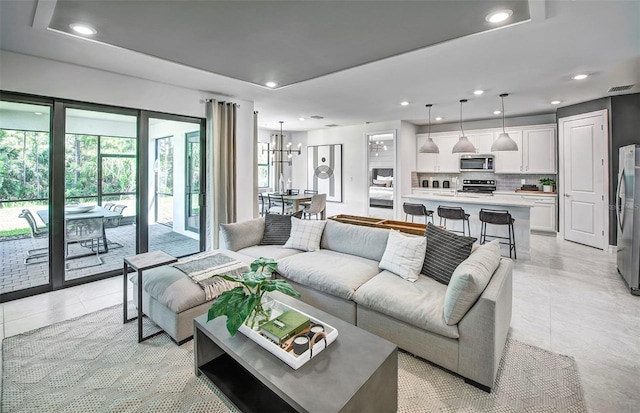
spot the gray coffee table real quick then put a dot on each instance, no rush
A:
(356, 373)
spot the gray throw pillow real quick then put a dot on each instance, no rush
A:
(445, 251)
(239, 235)
(277, 228)
(469, 281)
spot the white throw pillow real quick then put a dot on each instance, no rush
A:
(469, 280)
(385, 178)
(404, 255)
(305, 234)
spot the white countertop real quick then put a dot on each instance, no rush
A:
(495, 200)
(509, 193)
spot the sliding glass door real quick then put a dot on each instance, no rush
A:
(174, 192)
(84, 185)
(100, 191)
(24, 196)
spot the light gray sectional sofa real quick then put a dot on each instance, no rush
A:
(343, 279)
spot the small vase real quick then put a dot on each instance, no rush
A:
(547, 188)
(261, 314)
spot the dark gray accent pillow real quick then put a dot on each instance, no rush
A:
(445, 251)
(277, 228)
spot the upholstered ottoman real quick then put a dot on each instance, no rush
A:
(172, 300)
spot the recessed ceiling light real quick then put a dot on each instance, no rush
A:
(83, 29)
(271, 84)
(496, 112)
(580, 77)
(37, 113)
(405, 103)
(555, 102)
(439, 118)
(478, 92)
(301, 119)
(499, 16)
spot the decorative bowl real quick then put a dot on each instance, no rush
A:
(78, 208)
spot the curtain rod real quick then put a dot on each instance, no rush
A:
(219, 101)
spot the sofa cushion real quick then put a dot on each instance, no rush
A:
(469, 281)
(277, 229)
(419, 303)
(328, 271)
(339, 237)
(445, 251)
(305, 234)
(241, 234)
(404, 255)
(275, 252)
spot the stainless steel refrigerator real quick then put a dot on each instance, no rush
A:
(628, 211)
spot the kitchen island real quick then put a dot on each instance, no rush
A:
(520, 210)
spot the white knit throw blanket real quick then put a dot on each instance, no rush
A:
(204, 269)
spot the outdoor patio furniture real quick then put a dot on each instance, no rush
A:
(108, 205)
(35, 233)
(115, 221)
(79, 230)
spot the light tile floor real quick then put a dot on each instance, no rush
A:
(567, 298)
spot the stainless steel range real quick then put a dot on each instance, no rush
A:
(479, 186)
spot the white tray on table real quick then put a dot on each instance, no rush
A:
(288, 356)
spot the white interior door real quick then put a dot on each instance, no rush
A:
(583, 161)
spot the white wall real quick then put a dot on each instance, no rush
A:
(38, 76)
(355, 188)
(406, 163)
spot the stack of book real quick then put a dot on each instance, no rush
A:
(285, 326)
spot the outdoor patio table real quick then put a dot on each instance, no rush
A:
(96, 212)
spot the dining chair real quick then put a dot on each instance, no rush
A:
(318, 204)
(307, 192)
(261, 205)
(82, 230)
(277, 205)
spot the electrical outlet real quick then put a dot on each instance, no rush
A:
(523, 181)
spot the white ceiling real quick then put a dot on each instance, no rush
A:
(533, 61)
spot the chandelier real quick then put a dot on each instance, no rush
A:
(280, 154)
(376, 146)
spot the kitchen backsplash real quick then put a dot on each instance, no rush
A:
(504, 182)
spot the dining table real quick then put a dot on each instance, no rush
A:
(296, 200)
(96, 212)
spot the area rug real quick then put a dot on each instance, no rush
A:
(94, 364)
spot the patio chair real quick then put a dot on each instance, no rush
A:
(114, 222)
(108, 205)
(35, 233)
(80, 230)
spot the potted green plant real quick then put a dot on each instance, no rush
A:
(547, 184)
(244, 304)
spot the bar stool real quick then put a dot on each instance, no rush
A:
(416, 210)
(454, 214)
(498, 217)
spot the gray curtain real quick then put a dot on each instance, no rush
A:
(221, 131)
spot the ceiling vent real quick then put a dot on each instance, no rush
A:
(619, 88)
(317, 117)
(333, 125)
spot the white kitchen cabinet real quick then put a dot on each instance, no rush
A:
(540, 151)
(445, 161)
(543, 214)
(482, 141)
(536, 152)
(509, 162)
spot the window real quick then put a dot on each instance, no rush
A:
(263, 165)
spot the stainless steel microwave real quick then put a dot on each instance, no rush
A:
(476, 163)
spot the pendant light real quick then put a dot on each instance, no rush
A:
(504, 141)
(429, 146)
(464, 144)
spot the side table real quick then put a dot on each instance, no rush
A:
(139, 263)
